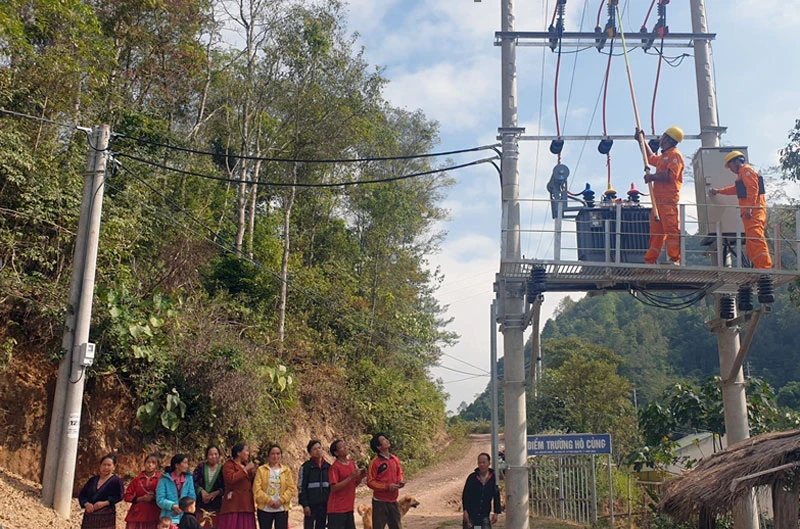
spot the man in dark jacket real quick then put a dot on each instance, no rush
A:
(480, 491)
(314, 488)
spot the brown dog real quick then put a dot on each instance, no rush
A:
(405, 503)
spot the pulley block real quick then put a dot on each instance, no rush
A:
(605, 146)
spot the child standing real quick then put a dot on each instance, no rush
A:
(188, 520)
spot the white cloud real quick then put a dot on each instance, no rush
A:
(452, 94)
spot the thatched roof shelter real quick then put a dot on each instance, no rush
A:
(708, 488)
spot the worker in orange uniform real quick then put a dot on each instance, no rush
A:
(667, 181)
(749, 189)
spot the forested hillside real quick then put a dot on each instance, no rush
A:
(243, 291)
(656, 347)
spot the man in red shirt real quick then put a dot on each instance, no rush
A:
(667, 182)
(749, 188)
(344, 477)
(385, 479)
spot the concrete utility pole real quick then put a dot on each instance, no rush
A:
(512, 293)
(493, 382)
(66, 416)
(50, 476)
(734, 401)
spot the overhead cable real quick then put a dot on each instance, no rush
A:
(302, 160)
(300, 184)
(228, 248)
(44, 120)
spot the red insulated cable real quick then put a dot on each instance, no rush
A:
(646, 18)
(555, 96)
(600, 11)
(655, 89)
(605, 89)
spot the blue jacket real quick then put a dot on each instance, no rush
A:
(167, 495)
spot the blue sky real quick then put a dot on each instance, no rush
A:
(439, 57)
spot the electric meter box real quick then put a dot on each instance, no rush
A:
(86, 354)
(720, 212)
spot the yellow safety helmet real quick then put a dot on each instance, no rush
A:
(676, 133)
(732, 156)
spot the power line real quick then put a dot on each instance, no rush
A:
(484, 374)
(308, 294)
(464, 362)
(44, 120)
(299, 184)
(300, 160)
(225, 248)
(444, 383)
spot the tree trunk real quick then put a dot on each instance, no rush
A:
(251, 221)
(241, 192)
(287, 214)
(241, 208)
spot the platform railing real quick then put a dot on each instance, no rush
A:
(618, 234)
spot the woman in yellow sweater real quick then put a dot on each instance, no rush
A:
(273, 490)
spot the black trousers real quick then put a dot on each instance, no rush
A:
(319, 513)
(481, 522)
(266, 519)
(341, 520)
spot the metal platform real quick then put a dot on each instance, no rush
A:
(581, 276)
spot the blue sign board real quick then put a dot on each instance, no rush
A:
(569, 444)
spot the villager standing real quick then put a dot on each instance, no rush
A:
(141, 494)
(344, 478)
(385, 479)
(99, 496)
(273, 490)
(176, 482)
(208, 484)
(238, 507)
(314, 487)
(480, 492)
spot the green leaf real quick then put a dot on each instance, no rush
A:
(147, 415)
(135, 330)
(170, 420)
(141, 352)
